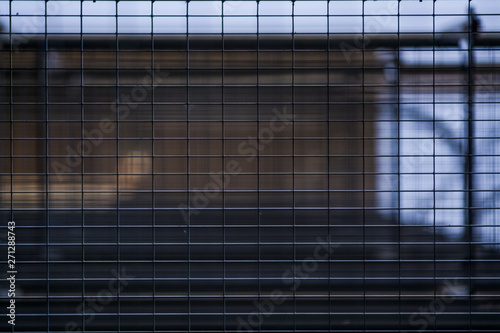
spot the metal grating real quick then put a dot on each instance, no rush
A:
(240, 166)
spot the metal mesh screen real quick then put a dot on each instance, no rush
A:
(241, 166)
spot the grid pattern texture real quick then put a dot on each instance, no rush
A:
(240, 166)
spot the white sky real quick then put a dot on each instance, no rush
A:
(240, 16)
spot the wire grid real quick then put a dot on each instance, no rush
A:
(204, 176)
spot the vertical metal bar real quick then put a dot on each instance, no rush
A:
(363, 158)
(328, 51)
(224, 299)
(11, 118)
(46, 101)
(293, 174)
(117, 95)
(82, 135)
(398, 147)
(434, 154)
(259, 213)
(153, 189)
(398, 222)
(188, 116)
(470, 153)
(11, 122)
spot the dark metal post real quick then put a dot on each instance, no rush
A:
(472, 29)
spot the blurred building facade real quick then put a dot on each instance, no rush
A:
(312, 138)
